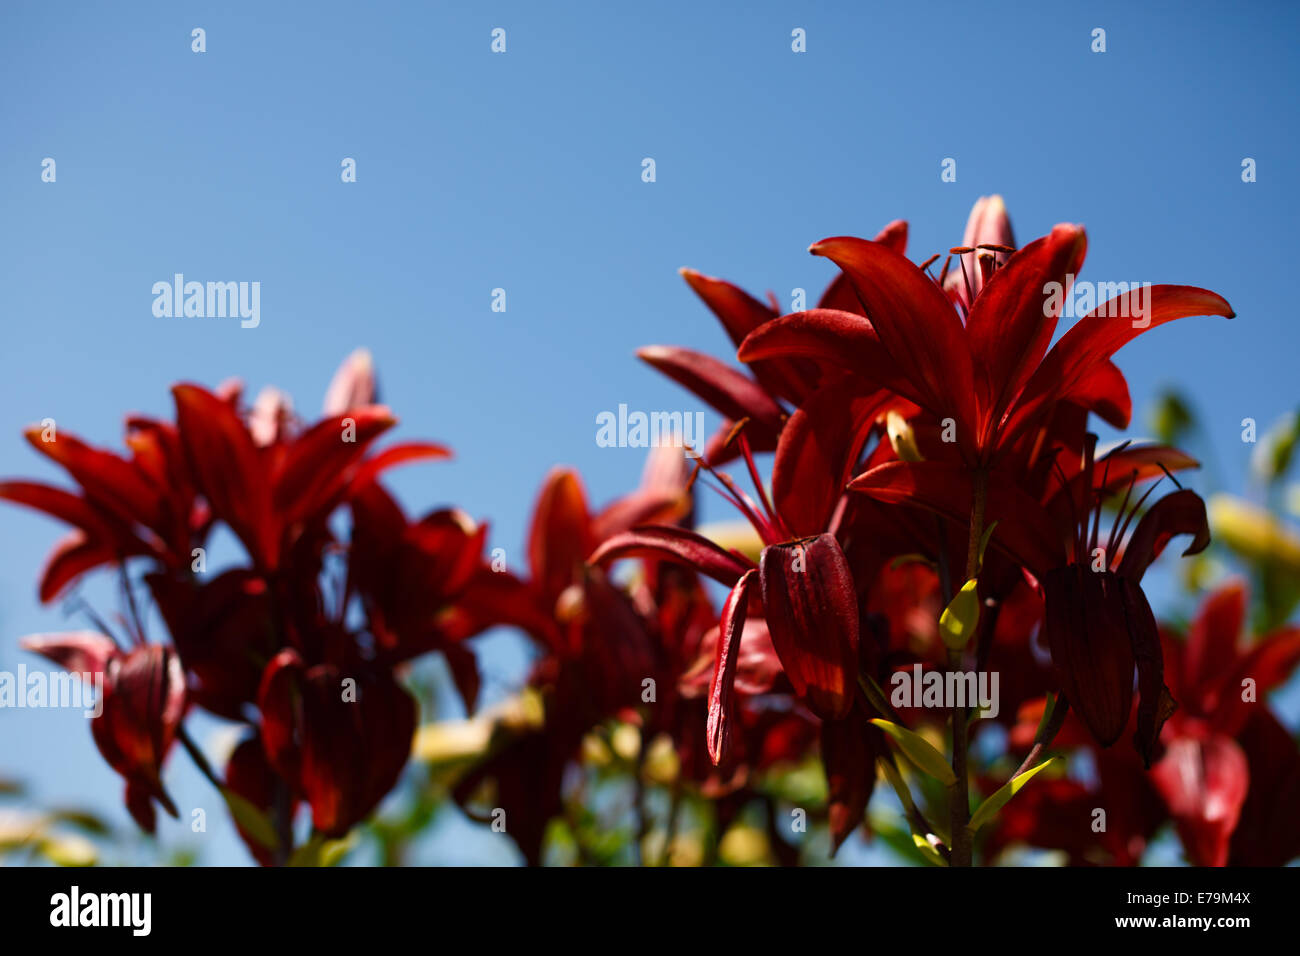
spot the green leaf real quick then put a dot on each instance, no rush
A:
(252, 820)
(319, 851)
(959, 619)
(1000, 797)
(919, 751)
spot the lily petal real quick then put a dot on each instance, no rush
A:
(730, 630)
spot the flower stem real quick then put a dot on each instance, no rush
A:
(959, 792)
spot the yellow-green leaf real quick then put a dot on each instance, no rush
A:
(960, 617)
(919, 751)
(319, 851)
(927, 851)
(252, 820)
(1000, 797)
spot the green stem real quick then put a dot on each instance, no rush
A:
(959, 792)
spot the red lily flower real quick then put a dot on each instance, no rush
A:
(993, 375)
(1098, 623)
(1205, 774)
(142, 706)
(756, 399)
(808, 592)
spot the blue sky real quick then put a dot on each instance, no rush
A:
(522, 171)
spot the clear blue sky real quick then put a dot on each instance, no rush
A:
(523, 171)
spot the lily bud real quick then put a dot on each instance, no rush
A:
(812, 614)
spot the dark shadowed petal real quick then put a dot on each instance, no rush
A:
(251, 777)
(1155, 703)
(1268, 831)
(849, 751)
(1182, 512)
(1024, 529)
(1087, 626)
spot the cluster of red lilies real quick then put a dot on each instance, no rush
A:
(936, 505)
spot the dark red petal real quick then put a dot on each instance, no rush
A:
(839, 294)
(849, 751)
(250, 776)
(1204, 783)
(818, 450)
(112, 483)
(1211, 649)
(139, 803)
(1270, 664)
(812, 612)
(914, 321)
(1103, 391)
(1010, 325)
(740, 314)
(839, 339)
(1268, 831)
(464, 673)
(278, 699)
(54, 502)
(730, 629)
(317, 465)
(1155, 703)
(1087, 627)
(499, 598)
(143, 703)
(560, 537)
(644, 506)
(674, 544)
(395, 455)
(732, 393)
(1182, 512)
(1024, 530)
(227, 469)
(353, 751)
(72, 556)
